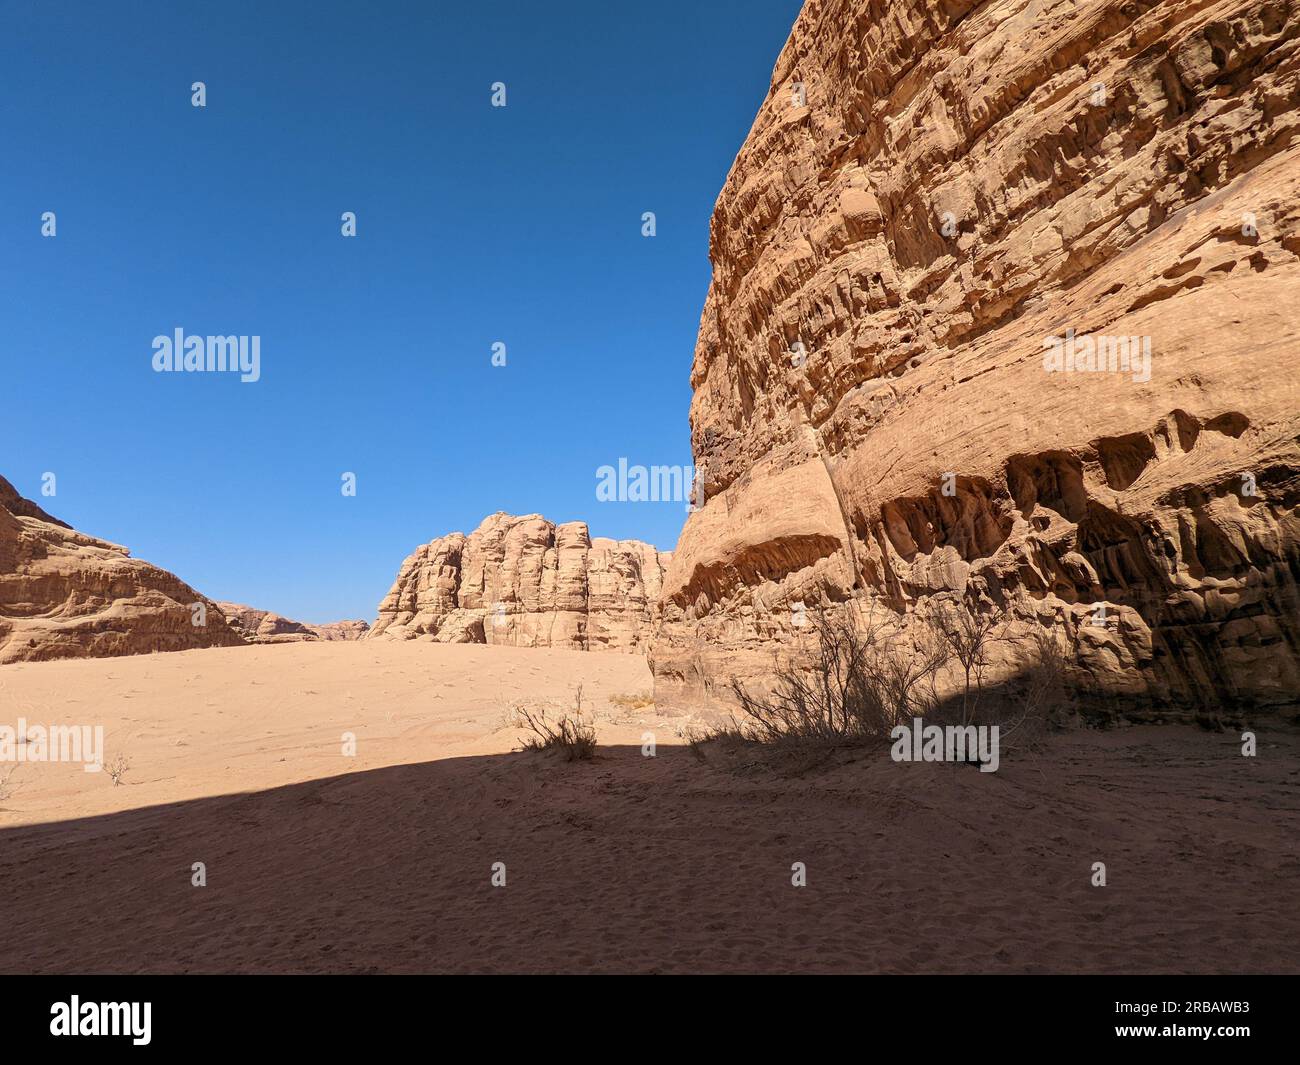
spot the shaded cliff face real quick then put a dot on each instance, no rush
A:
(526, 582)
(67, 595)
(263, 626)
(931, 193)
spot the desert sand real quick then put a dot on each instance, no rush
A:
(252, 718)
(382, 862)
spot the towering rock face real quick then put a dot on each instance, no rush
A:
(67, 595)
(914, 383)
(263, 626)
(526, 582)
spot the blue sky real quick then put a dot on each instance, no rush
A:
(475, 225)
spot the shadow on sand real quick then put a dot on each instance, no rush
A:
(676, 863)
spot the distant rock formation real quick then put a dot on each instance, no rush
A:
(64, 594)
(262, 626)
(940, 259)
(526, 582)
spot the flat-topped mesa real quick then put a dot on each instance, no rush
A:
(64, 594)
(1003, 314)
(527, 582)
(263, 626)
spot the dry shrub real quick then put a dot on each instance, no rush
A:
(633, 700)
(7, 785)
(1043, 696)
(699, 734)
(1023, 707)
(117, 768)
(558, 729)
(854, 687)
(862, 679)
(968, 637)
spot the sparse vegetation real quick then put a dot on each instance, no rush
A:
(856, 687)
(7, 785)
(699, 735)
(565, 730)
(117, 768)
(863, 677)
(633, 700)
(1043, 697)
(968, 636)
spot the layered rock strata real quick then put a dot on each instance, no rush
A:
(263, 626)
(527, 582)
(64, 594)
(914, 382)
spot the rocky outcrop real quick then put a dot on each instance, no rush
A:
(914, 382)
(262, 626)
(527, 582)
(64, 594)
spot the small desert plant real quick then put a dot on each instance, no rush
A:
(633, 700)
(969, 637)
(855, 686)
(699, 734)
(7, 785)
(560, 730)
(1023, 706)
(1044, 696)
(117, 768)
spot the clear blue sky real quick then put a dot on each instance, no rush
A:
(475, 224)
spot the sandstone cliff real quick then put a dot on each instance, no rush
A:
(932, 191)
(263, 626)
(527, 582)
(64, 594)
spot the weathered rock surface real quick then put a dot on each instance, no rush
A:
(526, 582)
(64, 594)
(873, 417)
(262, 626)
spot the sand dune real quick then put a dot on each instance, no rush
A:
(316, 863)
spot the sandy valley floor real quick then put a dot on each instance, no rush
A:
(317, 862)
(210, 722)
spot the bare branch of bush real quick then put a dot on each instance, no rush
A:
(697, 734)
(855, 686)
(117, 768)
(864, 676)
(7, 786)
(969, 636)
(1044, 694)
(562, 730)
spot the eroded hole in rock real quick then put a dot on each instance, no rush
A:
(1215, 553)
(1231, 423)
(1121, 551)
(967, 520)
(1053, 479)
(1124, 458)
(772, 560)
(1179, 431)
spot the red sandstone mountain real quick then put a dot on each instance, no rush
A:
(527, 582)
(930, 193)
(263, 626)
(64, 594)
